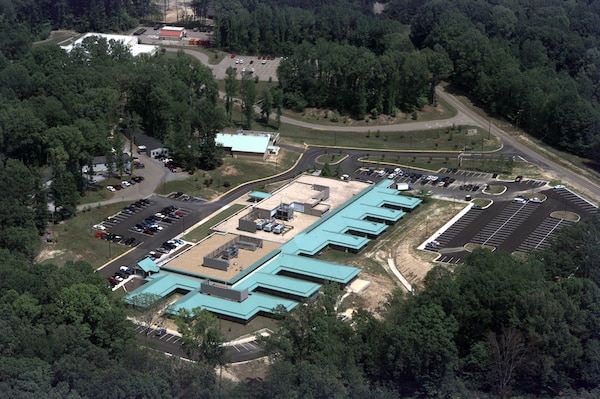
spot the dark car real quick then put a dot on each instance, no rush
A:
(113, 280)
(122, 274)
(169, 245)
(160, 332)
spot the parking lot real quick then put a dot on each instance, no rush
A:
(161, 339)
(511, 225)
(264, 67)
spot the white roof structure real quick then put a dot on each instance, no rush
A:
(129, 41)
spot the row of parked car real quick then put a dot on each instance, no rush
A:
(125, 183)
(117, 238)
(165, 248)
(150, 225)
(120, 275)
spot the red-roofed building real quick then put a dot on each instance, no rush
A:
(172, 32)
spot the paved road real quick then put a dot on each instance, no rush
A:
(569, 176)
(170, 343)
(464, 116)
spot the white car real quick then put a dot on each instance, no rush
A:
(244, 69)
(100, 227)
(521, 201)
(536, 200)
(241, 61)
(125, 183)
(111, 189)
(237, 60)
(263, 62)
(559, 187)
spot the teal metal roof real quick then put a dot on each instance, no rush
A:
(316, 268)
(164, 283)
(255, 303)
(393, 215)
(267, 272)
(148, 265)
(364, 226)
(259, 195)
(244, 142)
(285, 285)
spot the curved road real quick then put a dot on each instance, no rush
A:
(464, 116)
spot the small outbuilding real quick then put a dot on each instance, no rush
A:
(172, 33)
(150, 146)
(101, 165)
(244, 144)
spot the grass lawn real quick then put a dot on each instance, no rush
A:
(327, 117)
(566, 215)
(203, 230)
(481, 202)
(471, 247)
(62, 37)
(408, 163)
(74, 239)
(332, 158)
(432, 139)
(233, 172)
(98, 192)
(359, 260)
(494, 189)
(233, 330)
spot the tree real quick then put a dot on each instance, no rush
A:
(278, 102)
(266, 103)
(248, 92)
(231, 87)
(148, 309)
(200, 336)
(509, 353)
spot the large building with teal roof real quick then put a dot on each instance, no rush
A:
(290, 274)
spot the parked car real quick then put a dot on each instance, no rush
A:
(111, 189)
(113, 281)
(160, 332)
(127, 270)
(99, 227)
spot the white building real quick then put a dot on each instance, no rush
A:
(131, 42)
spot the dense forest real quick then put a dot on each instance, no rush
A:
(497, 326)
(533, 62)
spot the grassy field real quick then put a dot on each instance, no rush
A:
(74, 239)
(494, 189)
(233, 172)
(327, 117)
(332, 158)
(431, 140)
(202, 231)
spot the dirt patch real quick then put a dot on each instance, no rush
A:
(374, 296)
(58, 36)
(230, 170)
(48, 252)
(412, 263)
(247, 370)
